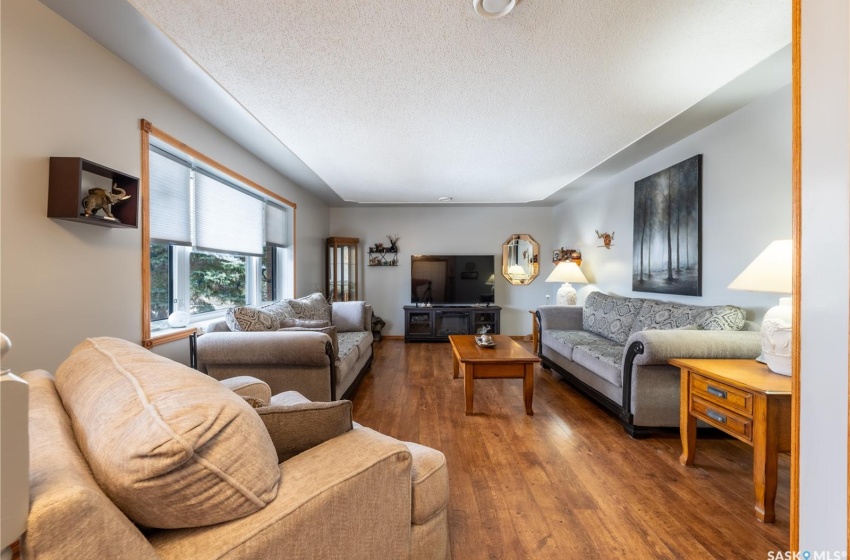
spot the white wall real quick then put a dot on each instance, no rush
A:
(447, 231)
(825, 281)
(65, 95)
(746, 198)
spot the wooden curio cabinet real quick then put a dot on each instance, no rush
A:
(341, 269)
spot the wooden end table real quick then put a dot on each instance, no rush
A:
(747, 401)
(506, 360)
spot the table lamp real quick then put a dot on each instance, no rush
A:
(566, 272)
(771, 272)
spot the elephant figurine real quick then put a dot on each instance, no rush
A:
(98, 199)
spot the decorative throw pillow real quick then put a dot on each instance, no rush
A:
(279, 309)
(722, 318)
(348, 316)
(610, 316)
(330, 331)
(663, 315)
(250, 319)
(314, 307)
(304, 323)
(165, 442)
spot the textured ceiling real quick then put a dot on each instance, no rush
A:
(392, 101)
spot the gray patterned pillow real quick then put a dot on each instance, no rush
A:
(313, 307)
(278, 309)
(722, 318)
(610, 316)
(250, 319)
(663, 315)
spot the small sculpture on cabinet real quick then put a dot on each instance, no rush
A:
(99, 199)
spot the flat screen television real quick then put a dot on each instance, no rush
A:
(452, 279)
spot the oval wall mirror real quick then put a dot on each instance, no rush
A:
(520, 257)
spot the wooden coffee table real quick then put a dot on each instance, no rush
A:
(506, 360)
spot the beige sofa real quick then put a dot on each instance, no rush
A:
(135, 456)
(322, 363)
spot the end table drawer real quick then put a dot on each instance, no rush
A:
(722, 418)
(724, 395)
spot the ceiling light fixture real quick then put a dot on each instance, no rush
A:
(492, 9)
(445, 199)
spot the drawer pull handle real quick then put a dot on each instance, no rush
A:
(715, 415)
(716, 392)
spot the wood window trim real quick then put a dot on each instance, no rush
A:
(150, 340)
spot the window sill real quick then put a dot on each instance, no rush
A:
(165, 336)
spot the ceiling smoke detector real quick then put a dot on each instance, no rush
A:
(492, 9)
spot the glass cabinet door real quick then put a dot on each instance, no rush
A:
(341, 268)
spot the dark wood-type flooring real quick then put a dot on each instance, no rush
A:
(567, 482)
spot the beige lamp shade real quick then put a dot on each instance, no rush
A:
(769, 272)
(567, 271)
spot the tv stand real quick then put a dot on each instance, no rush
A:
(436, 323)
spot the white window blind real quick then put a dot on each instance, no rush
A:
(226, 219)
(275, 225)
(170, 200)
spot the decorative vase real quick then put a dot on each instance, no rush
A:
(776, 337)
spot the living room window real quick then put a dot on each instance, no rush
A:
(213, 239)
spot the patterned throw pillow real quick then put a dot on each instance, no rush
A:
(250, 319)
(610, 316)
(722, 318)
(663, 315)
(278, 309)
(312, 307)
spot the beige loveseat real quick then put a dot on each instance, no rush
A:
(133, 456)
(322, 350)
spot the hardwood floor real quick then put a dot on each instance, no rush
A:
(567, 482)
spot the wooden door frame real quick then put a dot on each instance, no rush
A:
(796, 227)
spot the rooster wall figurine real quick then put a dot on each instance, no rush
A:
(606, 238)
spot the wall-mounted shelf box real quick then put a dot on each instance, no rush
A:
(70, 181)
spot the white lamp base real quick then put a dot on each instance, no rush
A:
(566, 295)
(776, 338)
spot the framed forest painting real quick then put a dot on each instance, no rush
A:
(668, 231)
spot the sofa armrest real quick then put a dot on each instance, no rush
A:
(295, 428)
(349, 497)
(662, 345)
(560, 317)
(300, 348)
(247, 386)
(367, 319)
